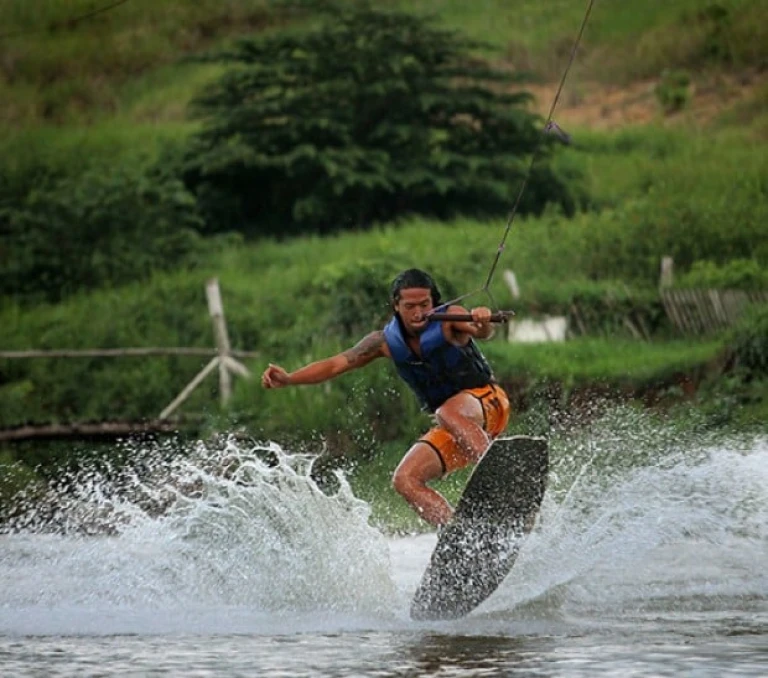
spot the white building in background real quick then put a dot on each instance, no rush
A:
(550, 328)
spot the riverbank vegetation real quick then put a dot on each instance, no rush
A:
(109, 234)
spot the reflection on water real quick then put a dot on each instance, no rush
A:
(447, 654)
(648, 560)
(385, 654)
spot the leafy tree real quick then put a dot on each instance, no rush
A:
(372, 115)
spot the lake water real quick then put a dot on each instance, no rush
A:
(648, 560)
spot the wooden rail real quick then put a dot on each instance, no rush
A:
(122, 352)
(102, 429)
(223, 358)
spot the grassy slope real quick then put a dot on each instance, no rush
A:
(61, 73)
(124, 64)
(279, 299)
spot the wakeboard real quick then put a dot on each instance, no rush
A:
(477, 549)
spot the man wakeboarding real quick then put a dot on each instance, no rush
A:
(442, 364)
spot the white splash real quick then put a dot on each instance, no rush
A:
(641, 515)
(639, 518)
(226, 526)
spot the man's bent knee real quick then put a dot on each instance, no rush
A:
(420, 465)
(402, 482)
(410, 479)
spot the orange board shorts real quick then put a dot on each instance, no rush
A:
(495, 404)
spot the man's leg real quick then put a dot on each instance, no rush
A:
(419, 466)
(459, 440)
(463, 417)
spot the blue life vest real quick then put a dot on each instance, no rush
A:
(442, 369)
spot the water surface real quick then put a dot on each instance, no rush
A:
(647, 561)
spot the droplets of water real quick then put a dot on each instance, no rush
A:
(640, 516)
(224, 524)
(639, 510)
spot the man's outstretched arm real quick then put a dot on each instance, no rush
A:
(367, 349)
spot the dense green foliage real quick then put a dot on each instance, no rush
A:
(299, 300)
(302, 300)
(109, 225)
(739, 274)
(749, 344)
(372, 115)
(694, 197)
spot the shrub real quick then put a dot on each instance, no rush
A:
(748, 342)
(373, 115)
(107, 226)
(741, 274)
(673, 91)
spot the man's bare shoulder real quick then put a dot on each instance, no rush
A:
(370, 347)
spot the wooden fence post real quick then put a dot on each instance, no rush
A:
(191, 386)
(216, 310)
(224, 360)
(667, 276)
(511, 279)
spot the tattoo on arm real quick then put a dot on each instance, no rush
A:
(366, 349)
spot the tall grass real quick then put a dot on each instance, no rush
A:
(78, 70)
(620, 42)
(127, 61)
(277, 310)
(73, 148)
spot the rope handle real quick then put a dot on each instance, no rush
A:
(498, 317)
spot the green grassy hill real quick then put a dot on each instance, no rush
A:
(126, 65)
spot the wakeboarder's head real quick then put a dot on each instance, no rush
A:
(414, 294)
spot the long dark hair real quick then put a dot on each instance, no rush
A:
(414, 277)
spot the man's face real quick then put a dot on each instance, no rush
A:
(413, 305)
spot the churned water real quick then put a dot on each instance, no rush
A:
(649, 559)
